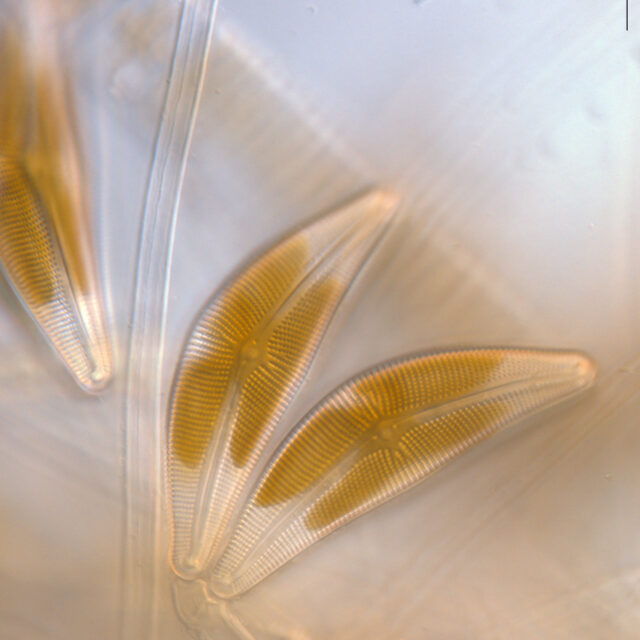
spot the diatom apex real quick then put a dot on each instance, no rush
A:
(244, 362)
(46, 245)
(378, 435)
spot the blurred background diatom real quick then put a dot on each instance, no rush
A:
(46, 244)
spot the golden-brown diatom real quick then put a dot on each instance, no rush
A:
(381, 433)
(244, 362)
(47, 249)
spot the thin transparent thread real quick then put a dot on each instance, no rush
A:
(143, 437)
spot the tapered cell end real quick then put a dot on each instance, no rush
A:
(96, 341)
(380, 204)
(585, 370)
(97, 380)
(387, 198)
(375, 205)
(91, 380)
(365, 219)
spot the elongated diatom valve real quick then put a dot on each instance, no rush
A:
(378, 435)
(46, 247)
(245, 360)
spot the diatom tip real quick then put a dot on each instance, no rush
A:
(586, 370)
(98, 380)
(387, 198)
(383, 202)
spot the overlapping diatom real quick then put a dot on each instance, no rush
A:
(245, 360)
(378, 435)
(46, 246)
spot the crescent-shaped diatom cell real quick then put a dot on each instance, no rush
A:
(46, 247)
(378, 435)
(245, 360)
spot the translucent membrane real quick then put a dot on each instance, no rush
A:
(244, 362)
(381, 433)
(46, 245)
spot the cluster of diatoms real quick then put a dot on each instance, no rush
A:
(236, 518)
(46, 247)
(245, 360)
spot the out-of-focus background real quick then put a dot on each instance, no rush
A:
(510, 131)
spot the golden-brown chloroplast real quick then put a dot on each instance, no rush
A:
(245, 360)
(46, 247)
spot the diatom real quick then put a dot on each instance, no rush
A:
(244, 361)
(46, 245)
(379, 434)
